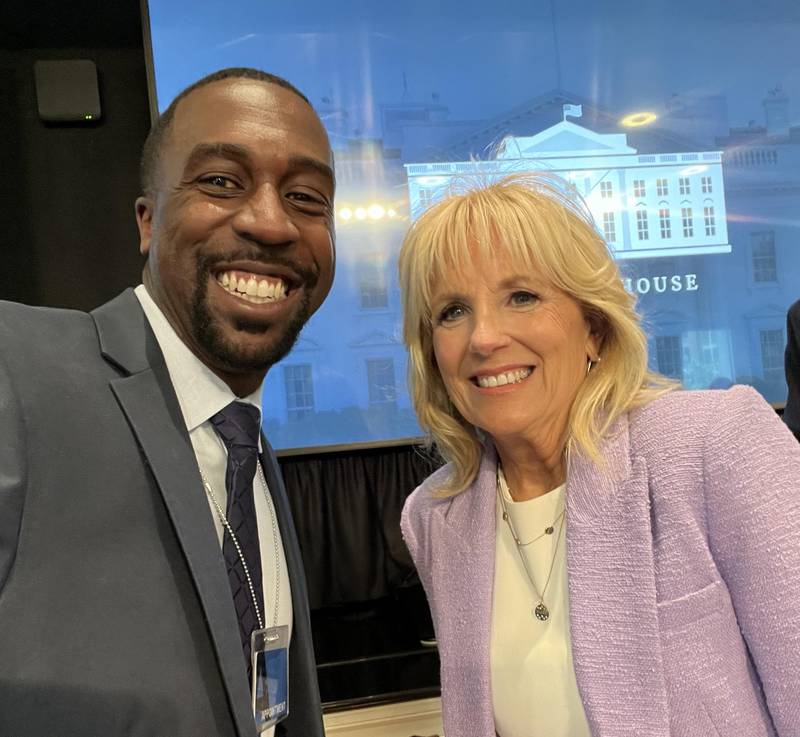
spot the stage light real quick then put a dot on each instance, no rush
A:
(634, 120)
(361, 213)
(345, 213)
(391, 213)
(376, 211)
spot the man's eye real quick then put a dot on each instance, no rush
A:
(308, 201)
(218, 181)
(520, 299)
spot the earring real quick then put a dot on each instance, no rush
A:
(591, 363)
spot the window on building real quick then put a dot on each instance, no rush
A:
(706, 185)
(684, 186)
(772, 354)
(641, 225)
(765, 268)
(664, 222)
(662, 188)
(638, 188)
(669, 356)
(686, 222)
(425, 198)
(708, 216)
(372, 286)
(609, 227)
(381, 381)
(606, 190)
(299, 390)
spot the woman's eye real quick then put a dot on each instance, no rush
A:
(450, 313)
(520, 299)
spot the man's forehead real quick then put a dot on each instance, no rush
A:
(248, 111)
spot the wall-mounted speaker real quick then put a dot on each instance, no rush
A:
(67, 91)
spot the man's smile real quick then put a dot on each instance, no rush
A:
(254, 288)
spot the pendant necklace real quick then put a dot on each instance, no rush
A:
(540, 610)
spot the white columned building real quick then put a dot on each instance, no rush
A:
(644, 205)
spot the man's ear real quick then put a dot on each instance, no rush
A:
(144, 221)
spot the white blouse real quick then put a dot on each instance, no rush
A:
(534, 692)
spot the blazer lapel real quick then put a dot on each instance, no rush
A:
(613, 615)
(149, 403)
(465, 574)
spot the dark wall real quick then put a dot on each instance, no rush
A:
(69, 236)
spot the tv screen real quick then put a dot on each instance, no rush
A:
(674, 120)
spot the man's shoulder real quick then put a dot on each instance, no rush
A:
(16, 316)
(37, 337)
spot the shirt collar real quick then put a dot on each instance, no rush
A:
(201, 393)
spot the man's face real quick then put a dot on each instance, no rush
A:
(239, 232)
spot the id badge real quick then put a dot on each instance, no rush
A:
(270, 684)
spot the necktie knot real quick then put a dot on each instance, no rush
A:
(238, 425)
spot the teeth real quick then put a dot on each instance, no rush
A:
(251, 288)
(510, 377)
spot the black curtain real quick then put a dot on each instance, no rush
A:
(347, 512)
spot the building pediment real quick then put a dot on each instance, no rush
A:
(566, 139)
(374, 338)
(305, 344)
(768, 311)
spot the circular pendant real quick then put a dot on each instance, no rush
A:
(548, 530)
(541, 612)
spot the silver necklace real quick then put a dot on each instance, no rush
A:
(224, 520)
(540, 610)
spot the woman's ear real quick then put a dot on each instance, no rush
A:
(598, 329)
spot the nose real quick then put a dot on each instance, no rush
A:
(488, 334)
(264, 219)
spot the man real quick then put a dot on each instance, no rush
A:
(791, 413)
(140, 548)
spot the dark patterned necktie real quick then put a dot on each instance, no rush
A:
(238, 425)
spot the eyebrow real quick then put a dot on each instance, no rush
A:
(242, 154)
(518, 281)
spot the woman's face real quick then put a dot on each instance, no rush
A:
(511, 348)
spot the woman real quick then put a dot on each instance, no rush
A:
(602, 555)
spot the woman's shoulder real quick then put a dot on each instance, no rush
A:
(425, 498)
(690, 408)
(690, 419)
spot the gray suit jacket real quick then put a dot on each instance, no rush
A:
(115, 611)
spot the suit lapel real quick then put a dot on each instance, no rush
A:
(303, 685)
(613, 615)
(149, 403)
(465, 576)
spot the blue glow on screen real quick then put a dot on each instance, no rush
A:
(675, 120)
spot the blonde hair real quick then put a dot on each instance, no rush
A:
(539, 222)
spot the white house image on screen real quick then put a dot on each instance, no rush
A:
(645, 206)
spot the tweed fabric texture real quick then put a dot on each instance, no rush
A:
(683, 558)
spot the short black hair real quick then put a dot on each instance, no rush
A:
(151, 152)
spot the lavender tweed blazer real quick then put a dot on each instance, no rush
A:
(684, 575)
